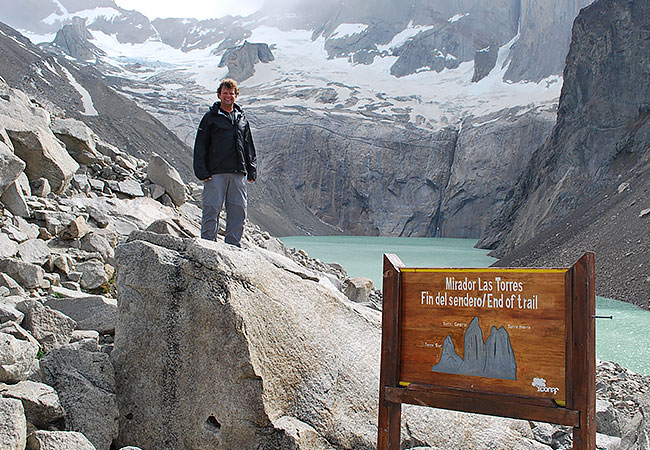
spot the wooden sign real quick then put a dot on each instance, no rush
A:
(516, 343)
(499, 330)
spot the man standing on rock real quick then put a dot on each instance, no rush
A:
(224, 158)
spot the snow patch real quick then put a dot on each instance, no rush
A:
(400, 38)
(86, 99)
(348, 29)
(457, 17)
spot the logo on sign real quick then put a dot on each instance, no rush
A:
(540, 384)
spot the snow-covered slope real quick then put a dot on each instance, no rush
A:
(178, 59)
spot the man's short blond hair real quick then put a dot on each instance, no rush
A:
(228, 83)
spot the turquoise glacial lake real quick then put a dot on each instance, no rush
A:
(624, 339)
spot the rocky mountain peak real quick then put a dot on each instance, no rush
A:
(73, 39)
(241, 60)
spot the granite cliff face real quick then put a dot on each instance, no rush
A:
(542, 38)
(586, 188)
(336, 167)
(602, 128)
(360, 176)
(73, 40)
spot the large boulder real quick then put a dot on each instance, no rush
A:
(85, 383)
(44, 156)
(14, 200)
(79, 140)
(51, 328)
(8, 247)
(40, 401)
(218, 347)
(91, 312)
(34, 251)
(162, 173)
(10, 166)
(58, 440)
(13, 426)
(29, 276)
(16, 358)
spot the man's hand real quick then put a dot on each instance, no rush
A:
(207, 179)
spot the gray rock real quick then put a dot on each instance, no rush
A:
(80, 181)
(94, 274)
(156, 191)
(92, 312)
(8, 247)
(10, 167)
(18, 332)
(34, 251)
(78, 140)
(41, 187)
(85, 383)
(30, 229)
(606, 419)
(58, 440)
(40, 401)
(16, 358)
(288, 363)
(359, 289)
(49, 327)
(11, 284)
(101, 219)
(162, 173)
(14, 200)
(55, 221)
(168, 227)
(543, 433)
(23, 185)
(95, 242)
(75, 276)
(130, 188)
(71, 285)
(544, 36)
(13, 426)
(44, 156)
(481, 184)
(97, 184)
(127, 162)
(9, 314)
(484, 61)
(76, 229)
(90, 338)
(606, 442)
(15, 233)
(29, 276)
(62, 262)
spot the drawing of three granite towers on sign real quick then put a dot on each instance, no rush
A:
(493, 358)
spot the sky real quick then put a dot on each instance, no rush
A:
(199, 9)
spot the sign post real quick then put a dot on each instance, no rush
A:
(516, 343)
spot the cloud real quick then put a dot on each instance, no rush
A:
(199, 9)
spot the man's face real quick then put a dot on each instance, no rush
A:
(227, 97)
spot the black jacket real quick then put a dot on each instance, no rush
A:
(218, 138)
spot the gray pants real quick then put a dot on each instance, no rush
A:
(231, 188)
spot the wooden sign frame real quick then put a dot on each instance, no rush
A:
(578, 409)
